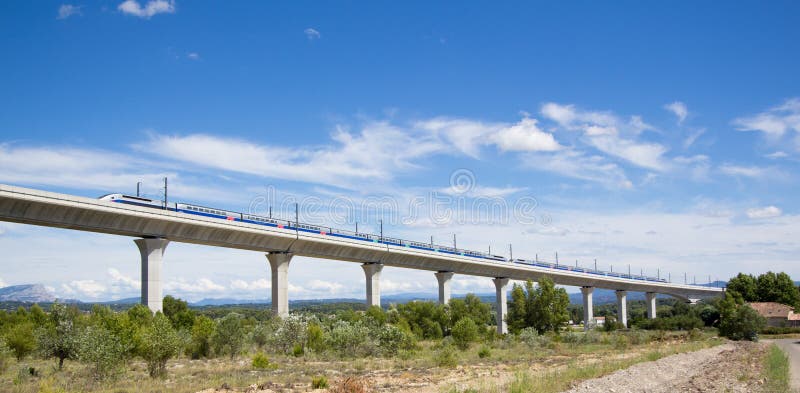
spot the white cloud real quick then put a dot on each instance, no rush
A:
(376, 153)
(524, 136)
(67, 10)
(124, 282)
(84, 288)
(575, 164)
(2, 283)
(678, 109)
(469, 136)
(312, 34)
(199, 286)
(745, 171)
(610, 134)
(774, 122)
(151, 8)
(193, 56)
(777, 155)
(764, 212)
(325, 287)
(260, 284)
(692, 138)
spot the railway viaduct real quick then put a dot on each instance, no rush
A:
(154, 229)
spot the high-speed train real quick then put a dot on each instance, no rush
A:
(302, 227)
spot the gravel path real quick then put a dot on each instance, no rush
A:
(728, 367)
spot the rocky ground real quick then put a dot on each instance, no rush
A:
(733, 367)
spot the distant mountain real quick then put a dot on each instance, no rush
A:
(29, 293)
(129, 300)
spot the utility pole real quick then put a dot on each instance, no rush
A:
(270, 212)
(356, 227)
(296, 214)
(556, 258)
(510, 253)
(629, 269)
(455, 246)
(138, 185)
(490, 249)
(595, 264)
(165, 193)
(658, 273)
(431, 241)
(381, 229)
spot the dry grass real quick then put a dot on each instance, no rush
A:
(418, 368)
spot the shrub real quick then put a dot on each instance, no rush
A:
(203, 331)
(103, 350)
(446, 357)
(159, 343)
(58, 338)
(21, 340)
(261, 362)
(349, 385)
(320, 382)
(230, 335)
(260, 335)
(743, 323)
(620, 341)
(5, 356)
(288, 332)
(533, 339)
(464, 332)
(484, 352)
(392, 339)
(350, 339)
(315, 337)
(297, 351)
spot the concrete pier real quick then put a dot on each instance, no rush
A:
(152, 253)
(500, 284)
(373, 275)
(622, 308)
(651, 304)
(279, 262)
(444, 286)
(588, 311)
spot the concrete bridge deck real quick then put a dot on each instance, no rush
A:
(35, 207)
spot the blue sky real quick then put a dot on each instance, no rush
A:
(664, 136)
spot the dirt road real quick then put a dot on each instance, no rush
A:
(732, 367)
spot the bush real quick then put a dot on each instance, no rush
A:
(20, 339)
(484, 352)
(446, 357)
(5, 356)
(58, 338)
(533, 339)
(392, 339)
(203, 331)
(230, 335)
(315, 337)
(289, 331)
(742, 324)
(103, 350)
(351, 339)
(620, 341)
(297, 351)
(260, 335)
(159, 343)
(464, 332)
(349, 385)
(261, 362)
(780, 330)
(320, 382)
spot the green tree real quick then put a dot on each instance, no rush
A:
(471, 306)
(203, 331)
(37, 316)
(517, 310)
(58, 338)
(739, 321)
(20, 339)
(103, 350)
(376, 315)
(160, 343)
(315, 337)
(230, 335)
(779, 288)
(178, 312)
(547, 306)
(464, 332)
(744, 285)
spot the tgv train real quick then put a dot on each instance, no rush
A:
(302, 227)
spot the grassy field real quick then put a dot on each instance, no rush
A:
(548, 365)
(776, 370)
